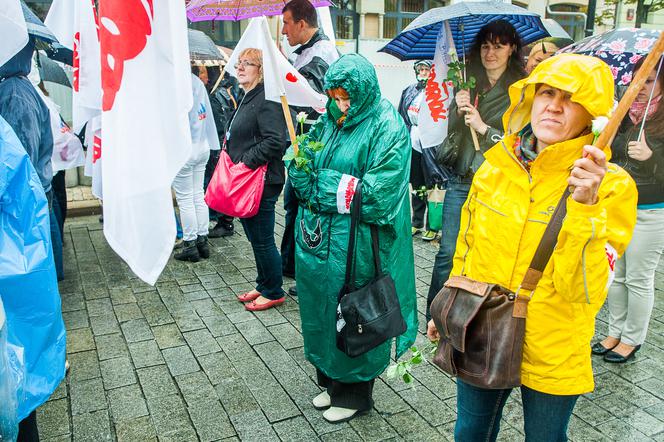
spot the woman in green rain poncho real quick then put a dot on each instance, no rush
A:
(365, 143)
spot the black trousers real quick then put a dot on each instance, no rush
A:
(291, 206)
(27, 429)
(417, 181)
(356, 396)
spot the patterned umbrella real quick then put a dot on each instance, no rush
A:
(621, 49)
(204, 10)
(418, 40)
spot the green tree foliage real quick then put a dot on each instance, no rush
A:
(643, 8)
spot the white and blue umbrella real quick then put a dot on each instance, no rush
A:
(418, 40)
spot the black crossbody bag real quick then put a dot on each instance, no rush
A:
(370, 315)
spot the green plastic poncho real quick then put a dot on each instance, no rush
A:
(373, 146)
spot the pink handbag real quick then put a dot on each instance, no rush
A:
(235, 189)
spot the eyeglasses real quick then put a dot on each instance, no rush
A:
(244, 64)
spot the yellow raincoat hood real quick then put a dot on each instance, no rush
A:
(588, 79)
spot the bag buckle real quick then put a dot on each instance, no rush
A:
(520, 309)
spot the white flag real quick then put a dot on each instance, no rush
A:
(146, 82)
(280, 77)
(93, 159)
(438, 94)
(75, 24)
(13, 30)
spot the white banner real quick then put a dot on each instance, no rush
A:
(146, 82)
(438, 96)
(280, 77)
(13, 30)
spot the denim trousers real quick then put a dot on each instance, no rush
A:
(632, 294)
(288, 240)
(260, 232)
(479, 410)
(455, 197)
(188, 186)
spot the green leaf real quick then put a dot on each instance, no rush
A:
(392, 371)
(290, 156)
(417, 359)
(407, 378)
(401, 368)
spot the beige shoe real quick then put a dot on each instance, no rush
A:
(337, 415)
(322, 401)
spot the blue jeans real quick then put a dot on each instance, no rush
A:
(288, 240)
(546, 416)
(455, 197)
(260, 232)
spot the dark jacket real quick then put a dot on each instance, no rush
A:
(25, 111)
(407, 97)
(224, 101)
(492, 105)
(649, 174)
(258, 136)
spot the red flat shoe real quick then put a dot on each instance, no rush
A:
(248, 297)
(253, 307)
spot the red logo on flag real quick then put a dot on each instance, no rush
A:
(291, 77)
(435, 98)
(77, 60)
(125, 26)
(96, 149)
(350, 192)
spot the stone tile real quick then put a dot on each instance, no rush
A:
(180, 360)
(145, 354)
(123, 295)
(138, 429)
(345, 435)
(287, 335)
(294, 430)
(127, 312)
(87, 396)
(117, 372)
(92, 427)
(187, 320)
(168, 336)
(217, 367)
(219, 325)
(156, 382)
(111, 346)
(431, 408)
(76, 319)
(53, 419)
(411, 426)
(99, 307)
(236, 397)
(72, 302)
(80, 340)
(104, 325)
(372, 427)
(157, 314)
(210, 420)
(201, 342)
(137, 330)
(61, 392)
(127, 403)
(170, 418)
(253, 426)
(205, 307)
(196, 387)
(83, 366)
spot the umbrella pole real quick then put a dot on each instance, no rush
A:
(289, 122)
(637, 84)
(652, 92)
(473, 133)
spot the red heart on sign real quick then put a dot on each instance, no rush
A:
(290, 77)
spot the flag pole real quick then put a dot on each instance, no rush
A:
(282, 93)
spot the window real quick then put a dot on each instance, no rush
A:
(399, 14)
(345, 20)
(223, 33)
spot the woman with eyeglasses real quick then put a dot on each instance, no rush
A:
(256, 136)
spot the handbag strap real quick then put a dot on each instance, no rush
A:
(542, 255)
(351, 261)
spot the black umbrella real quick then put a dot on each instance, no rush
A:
(51, 71)
(36, 27)
(203, 49)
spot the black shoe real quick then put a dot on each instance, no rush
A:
(617, 358)
(189, 252)
(203, 246)
(599, 350)
(293, 291)
(220, 230)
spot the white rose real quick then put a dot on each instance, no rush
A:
(301, 117)
(599, 124)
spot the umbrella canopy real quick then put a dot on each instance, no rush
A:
(555, 30)
(51, 71)
(620, 48)
(205, 10)
(202, 49)
(36, 27)
(418, 40)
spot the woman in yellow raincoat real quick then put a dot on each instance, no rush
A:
(547, 147)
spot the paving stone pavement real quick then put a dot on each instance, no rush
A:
(183, 361)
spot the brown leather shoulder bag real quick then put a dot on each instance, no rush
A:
(482, 325)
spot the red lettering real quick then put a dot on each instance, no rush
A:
(435, 98)
(96, 149)
(77, 60)
(350, 192)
